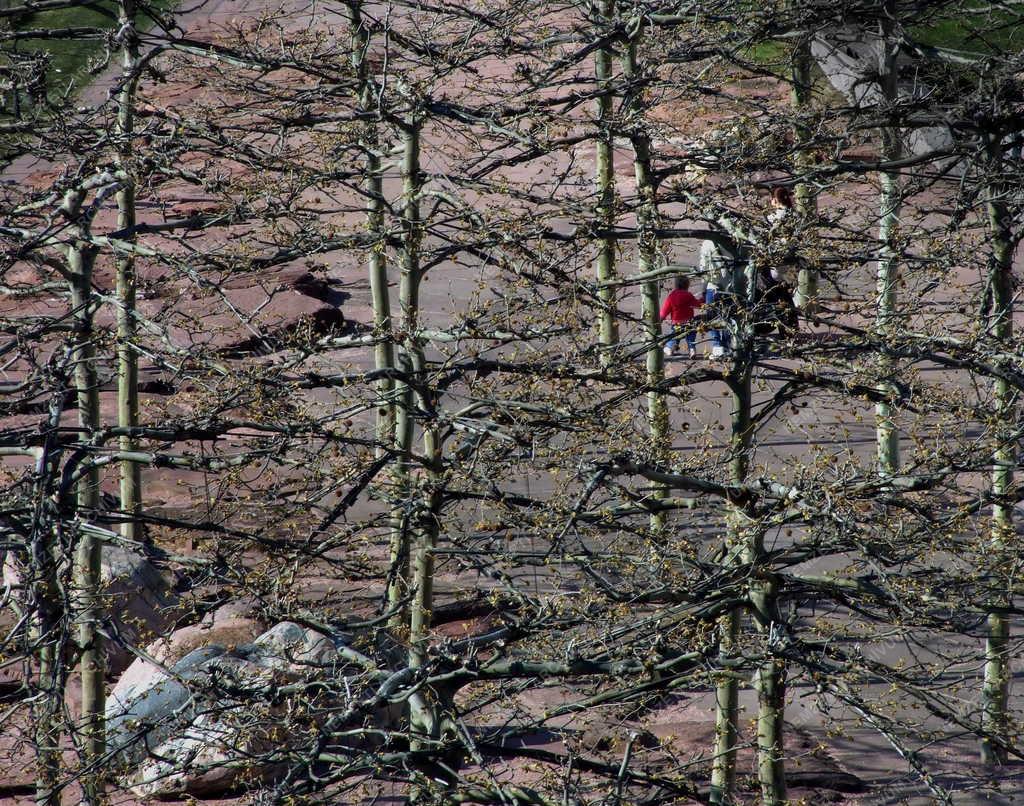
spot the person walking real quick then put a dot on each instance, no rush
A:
(716, 266)
(680, 306)
(775, 305)
(777, 284)
(782, 206)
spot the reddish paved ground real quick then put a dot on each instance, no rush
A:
(821, 428)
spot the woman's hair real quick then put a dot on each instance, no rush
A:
(783, 196)
(682, 283)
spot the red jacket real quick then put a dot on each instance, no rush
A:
(680, 305)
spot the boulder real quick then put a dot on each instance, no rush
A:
(294, 649)
(205, 721)
(216, 737)
(148, 704)
(219, 635)
(851, 57)
(138, 601)
(207, 757)
(228, 633)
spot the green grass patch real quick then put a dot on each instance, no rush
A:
(980, 29)
(71, 59)
(771, 54)
(977, 28)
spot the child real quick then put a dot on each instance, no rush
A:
(680, 305)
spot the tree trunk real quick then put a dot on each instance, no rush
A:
(770, 683)
(723, 771)
(44, 602)
(609, 327)
(995, 691)
(727, 697)
(647, 245)
(422, 500)
(769, 679)
(88, 608)
(422, 712)
(888, 266)
(384, 353)
(127, 357)
(401, 539)
(806, 198)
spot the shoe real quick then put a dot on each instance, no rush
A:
(669, 351)
(717, 352)
(693, 354)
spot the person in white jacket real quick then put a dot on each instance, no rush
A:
(716, 267)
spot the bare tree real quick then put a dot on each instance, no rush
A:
(476, 548)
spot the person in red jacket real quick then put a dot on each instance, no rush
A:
(679, 306)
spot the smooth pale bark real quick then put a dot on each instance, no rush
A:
(723, 770)
(806, 199)
(647, 246)
(46, 710)
(45, 602)
(127, 357)
(770, 682)
(727, 690)
(995, 690)
(608, 334)
(426, 529)
(727, 699)
(85, 604)
(769, 679)
(423, 719)
(88, 557)
(416, 539)
(888, 276)
(744, 544)
(399, 585)
(770, 676)
(424, 526)
(384, 351)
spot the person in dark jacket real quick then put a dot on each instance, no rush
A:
(775, 305)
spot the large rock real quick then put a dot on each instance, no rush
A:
(217, 736)
(228, 633)
(210, 755)
(149, 704)
(218, 632)
(851, 59)
(202, 723)
(291, 648)
(138, 601)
